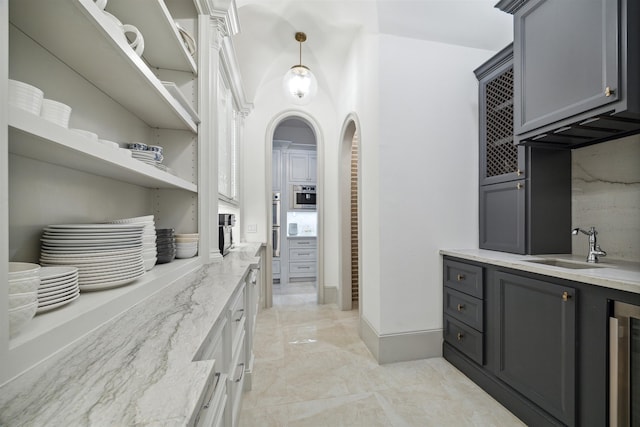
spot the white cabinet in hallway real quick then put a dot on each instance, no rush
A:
(302, 167)
(302, 258)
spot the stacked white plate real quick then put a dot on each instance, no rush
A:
(25, 96)
(56, 112)
(187, 245)
(106, 255)
(149, 250)
(24, 279)
(58, 287)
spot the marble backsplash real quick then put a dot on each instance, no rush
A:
(606, 195)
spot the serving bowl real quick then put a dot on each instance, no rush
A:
(23, 270)
(28, 284)
(20, 316)
(186, 252)
(22, 299)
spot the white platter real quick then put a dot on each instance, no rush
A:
(49, 273)
(51, 306)
(50, 297)
(94, 227)
(91, 236)
(102, 268)
(115, 271)
(89, 242)
(108, 285)
(58, 292)
(110, 278)
(57, 285)
(97, 254)
(137, 219)
(52, 249)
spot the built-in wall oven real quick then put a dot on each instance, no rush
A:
(624, 365)
(275, 230)
(303, 197)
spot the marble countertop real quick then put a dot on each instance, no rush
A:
(612, 274)
(137, 369)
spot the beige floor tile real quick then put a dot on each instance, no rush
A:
(312, 369)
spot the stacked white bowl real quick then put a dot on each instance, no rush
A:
(24, 279)
(149, 250)
(25, 96)
(187, 245)
(56, 112)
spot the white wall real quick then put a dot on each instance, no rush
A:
(428, 153)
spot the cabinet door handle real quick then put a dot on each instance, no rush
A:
(461, 307)
(565, 296)
(460, 336)
(519, 186)
(608, 91)
(461, 277)
(519, 172)
(241, 311)
(241, 365)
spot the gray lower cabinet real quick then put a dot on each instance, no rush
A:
(536, 342)
(575, 68)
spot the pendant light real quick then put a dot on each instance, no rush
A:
(299, 83)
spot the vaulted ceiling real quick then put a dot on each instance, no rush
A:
(266, 48)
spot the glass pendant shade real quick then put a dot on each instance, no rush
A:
(300, 84)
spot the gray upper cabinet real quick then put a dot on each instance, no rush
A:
(574, 70)
(524, 194)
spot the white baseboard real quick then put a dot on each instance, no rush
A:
(330, 294)
(391, 348)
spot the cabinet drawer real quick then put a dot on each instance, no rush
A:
(463, 277)
(275, 266)
(236, 382)
(302, 269)
(464, 338)
(302, 254)
(237, 314)
(302, 243)
(464, 308)
(212, 410)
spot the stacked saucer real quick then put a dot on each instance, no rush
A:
(58, 287)
(149, 251)
(56, 112)
(149, 154)
(24, 279)
(166, 244)
(106, 255)
(187, 245)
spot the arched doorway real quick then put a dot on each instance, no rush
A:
(350, 241)
(293, 138)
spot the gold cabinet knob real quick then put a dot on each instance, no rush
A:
(519, 172)
(460, 336)
(460, 307)
(460, 277)
(608, 91)
(565, 296)
(519, 186)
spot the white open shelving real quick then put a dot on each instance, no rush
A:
(36, 138)
(164, 48)
(79, 34)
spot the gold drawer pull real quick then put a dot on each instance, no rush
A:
(461, 307)
(519, 172)
(519, 186)
(608, 91)
(565, 296)
(461, 277)
(460, 336)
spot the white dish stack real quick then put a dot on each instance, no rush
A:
(149, 250)
(106, 255)
(24, 279)
(187, 245)
(58, 287)
(56, 112)
(25, 96)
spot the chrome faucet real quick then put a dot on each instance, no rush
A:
(594, 248)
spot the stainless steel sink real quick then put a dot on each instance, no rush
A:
(576, 265)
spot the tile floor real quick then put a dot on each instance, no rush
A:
(312, 369)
